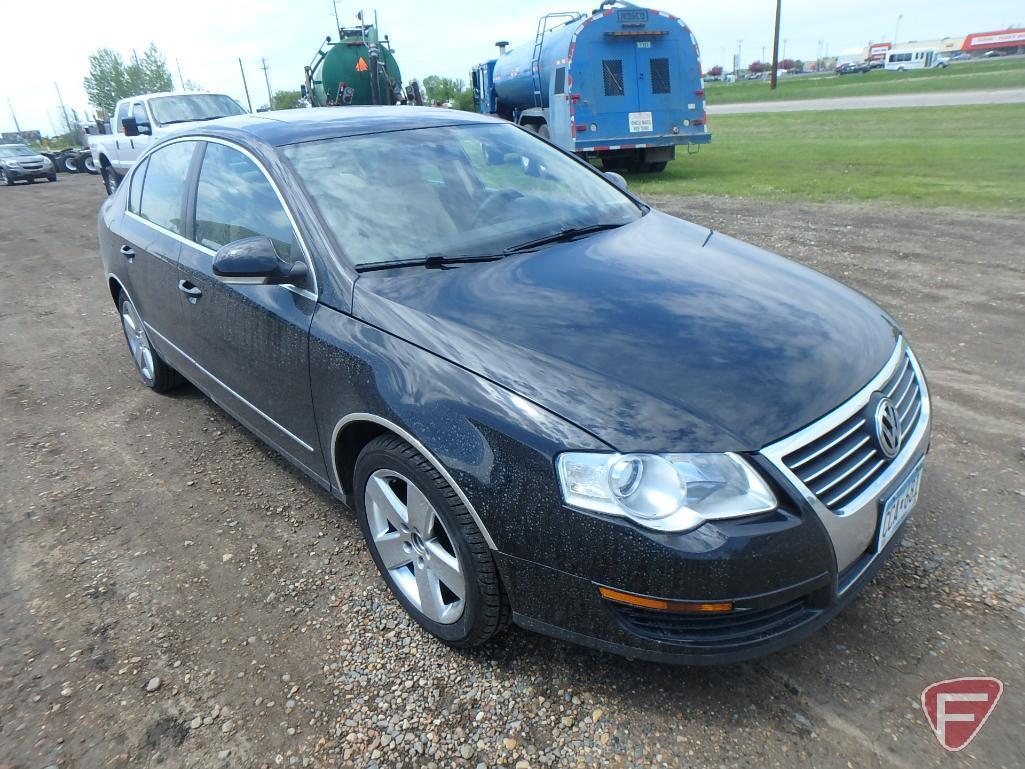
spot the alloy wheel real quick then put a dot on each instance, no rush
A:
(138, 342)
(414, 546)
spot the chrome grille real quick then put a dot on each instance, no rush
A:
(838, 465)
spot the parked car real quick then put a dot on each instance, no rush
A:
(851, 67)
(18, 162)
(142, 120)
(546, 401)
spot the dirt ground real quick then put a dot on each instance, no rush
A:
(150, 537)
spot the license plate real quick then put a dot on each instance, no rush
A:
(897, 507)
(640, 122)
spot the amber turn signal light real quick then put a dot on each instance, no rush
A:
(661, 604)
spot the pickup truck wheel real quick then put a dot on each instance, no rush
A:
(110, 179)
(426, 545)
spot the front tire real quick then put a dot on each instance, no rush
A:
(69, 163)
(111, 180)
(6, 179)
(155, 373)
(427, 546)
(86, 163)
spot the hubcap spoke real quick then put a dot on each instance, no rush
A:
(430, 594)
(392, 549)
(446, 568)
(420, 511)
(380, 496)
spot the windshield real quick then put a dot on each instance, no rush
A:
(15, 151)
(451, 191)
(198, 106)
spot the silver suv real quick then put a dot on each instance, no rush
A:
(19, 162)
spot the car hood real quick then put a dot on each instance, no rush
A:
(656, 336)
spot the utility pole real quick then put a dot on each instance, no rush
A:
(64, 109)
(181, 79)
(244, 84)
(266, 78)
(740, 56)
(896, 29)
(338, 23)
(775, 48)
(16, 126)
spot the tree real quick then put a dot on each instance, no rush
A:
(442, 89)
(287, 100)
(110, 79)
(757, 67)
(715, 71)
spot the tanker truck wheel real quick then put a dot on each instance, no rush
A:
(69, 163)
(85, 163)
(543, 132)
(657, 168)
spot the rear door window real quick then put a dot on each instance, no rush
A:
(163, 191)
(234, 200)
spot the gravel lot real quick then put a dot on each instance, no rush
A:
(171, 592)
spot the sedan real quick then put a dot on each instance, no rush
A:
(547, 402)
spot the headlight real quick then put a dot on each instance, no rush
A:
(666, 492)
(47, 162)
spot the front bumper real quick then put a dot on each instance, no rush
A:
(19, 174)
(786, 573)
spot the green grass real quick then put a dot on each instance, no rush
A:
(959, 76)
(966, 157)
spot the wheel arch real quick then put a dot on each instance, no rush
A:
(116, 287)
(354, 431)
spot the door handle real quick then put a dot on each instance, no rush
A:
(127, 252)
(192, 291)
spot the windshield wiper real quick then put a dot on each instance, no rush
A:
(434, 261)
(192, 120)
(565, 234)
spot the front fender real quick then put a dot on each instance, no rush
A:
(498, 447)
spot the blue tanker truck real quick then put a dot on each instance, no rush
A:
(622, 84)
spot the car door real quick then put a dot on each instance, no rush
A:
(249, 341)
(150, 234)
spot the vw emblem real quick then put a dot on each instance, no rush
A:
(887, 427)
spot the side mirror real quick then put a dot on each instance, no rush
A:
(617, 179)
(254, 260)
(133, 127)
(303, 91)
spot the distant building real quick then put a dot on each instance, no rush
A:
(1005, 41)
(20, 137)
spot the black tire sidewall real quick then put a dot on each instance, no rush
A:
(379, 459)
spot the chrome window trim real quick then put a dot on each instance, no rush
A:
(852, 527)
(313, 295)
(227, 389)
(406, 436)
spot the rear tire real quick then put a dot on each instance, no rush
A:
(657, 168)
(69, 163)
(543, 132)
(86, 163)
(155, 373)
(427, 546)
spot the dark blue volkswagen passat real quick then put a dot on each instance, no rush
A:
(547, 402)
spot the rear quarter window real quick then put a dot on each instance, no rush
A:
(135, 192)
(163, 190)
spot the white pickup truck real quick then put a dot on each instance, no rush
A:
(142, 120)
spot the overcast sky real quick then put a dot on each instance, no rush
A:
(206, 37)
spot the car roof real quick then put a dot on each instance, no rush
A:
(302, 125)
